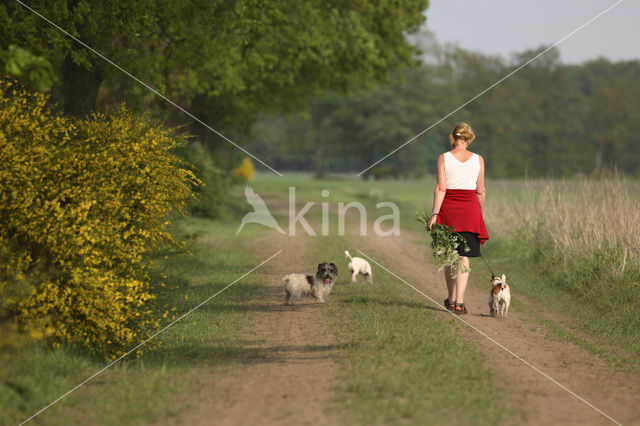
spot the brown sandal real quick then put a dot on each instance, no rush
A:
(449, 304)
(462, 310)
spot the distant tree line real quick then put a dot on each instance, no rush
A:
(548, 118)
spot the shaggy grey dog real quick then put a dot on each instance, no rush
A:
(317, 286)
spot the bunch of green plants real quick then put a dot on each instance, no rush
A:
(444, 242)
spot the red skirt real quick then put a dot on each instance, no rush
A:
(461, 210)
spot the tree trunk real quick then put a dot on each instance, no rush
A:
(80, 87)
(367, 159)
(321, 169)
(316, 119)
(599, 156)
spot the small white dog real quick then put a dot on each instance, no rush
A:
(357, 266)
(500, 297)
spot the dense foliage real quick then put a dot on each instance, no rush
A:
(547, 119)
(82, 205)
(223, 60)
(212, 191)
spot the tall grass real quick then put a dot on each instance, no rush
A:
(580, 218)
(573, 245)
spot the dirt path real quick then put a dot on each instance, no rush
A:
(288, 381)
(615, 393)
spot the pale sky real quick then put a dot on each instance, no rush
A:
(507, 26)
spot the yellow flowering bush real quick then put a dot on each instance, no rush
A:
(82, 205)
(245, 171)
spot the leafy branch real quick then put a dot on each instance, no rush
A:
(444, 242)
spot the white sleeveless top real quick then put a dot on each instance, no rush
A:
(461, 175)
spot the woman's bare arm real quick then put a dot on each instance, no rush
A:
(439, 191)
(480, 186)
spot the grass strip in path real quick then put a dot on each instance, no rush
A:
(403, 364)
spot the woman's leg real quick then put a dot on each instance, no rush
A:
(461, 280)
(451, 284)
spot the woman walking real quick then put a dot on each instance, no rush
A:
(458, 201)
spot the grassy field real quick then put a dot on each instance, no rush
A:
(573, 247)
(410, 195)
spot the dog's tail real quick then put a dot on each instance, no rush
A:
(348, 255)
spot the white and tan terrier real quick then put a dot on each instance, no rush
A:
(500, 297)
(358, 265)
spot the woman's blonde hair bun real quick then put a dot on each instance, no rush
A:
(463, 132)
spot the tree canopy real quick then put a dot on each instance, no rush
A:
(226, 60)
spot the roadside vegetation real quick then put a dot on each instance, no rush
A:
(141, 390)
(83, 206)
(572, 245)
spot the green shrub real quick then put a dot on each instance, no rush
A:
(211, 193)
(82, 205)
(34, 71)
